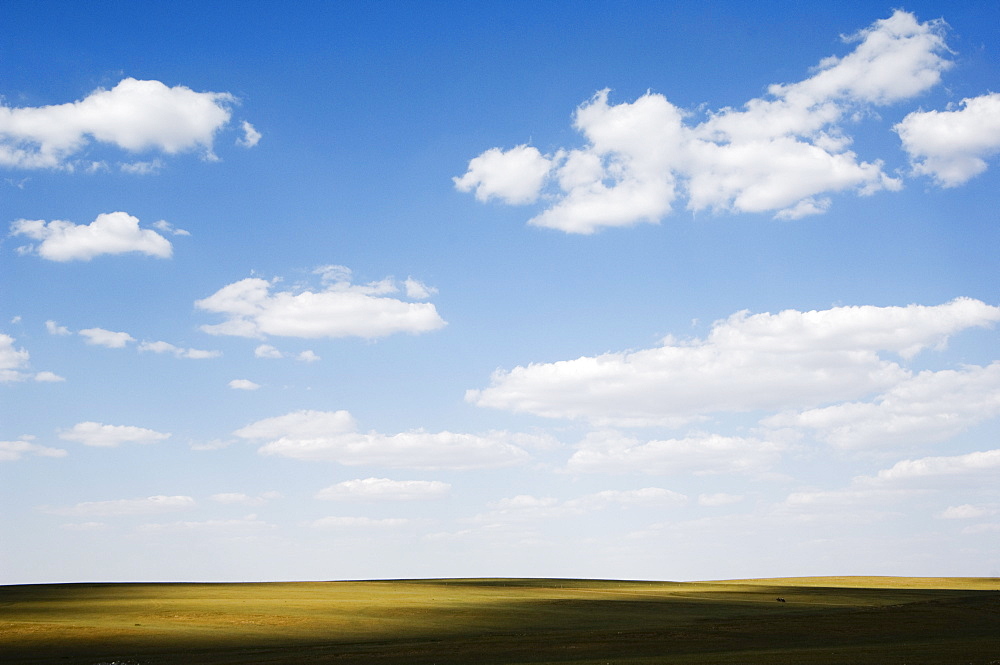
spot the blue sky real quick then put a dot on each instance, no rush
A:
(381, 290)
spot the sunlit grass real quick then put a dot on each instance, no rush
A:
(823, 620)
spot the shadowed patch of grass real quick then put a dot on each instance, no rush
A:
(824, 620)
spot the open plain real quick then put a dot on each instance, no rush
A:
(451, 621)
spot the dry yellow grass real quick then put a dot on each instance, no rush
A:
(824, 620)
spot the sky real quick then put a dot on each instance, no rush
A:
(369, 290)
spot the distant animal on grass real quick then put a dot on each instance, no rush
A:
(781, 600)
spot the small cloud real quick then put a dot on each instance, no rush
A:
(214, 444)
(167, 227)
(109, 436)
(48, 377)
(136, 116)
(251, 136)
(12, 360)
(244, 499)
(109, 233)
(56, 329)
(719, 499)
(966, 512)
(384, 489)
(122, 507)
(267, 351)
(252, 308)
(418, 290)
(11, 451)
(358, 523)
(248, 523)
(142, 168)
(243, 384)
(166, 347)
(85, 526)
(308, 356)
(107, 338)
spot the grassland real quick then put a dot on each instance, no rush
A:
(484, 621)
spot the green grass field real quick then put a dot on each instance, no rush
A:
(833, 620)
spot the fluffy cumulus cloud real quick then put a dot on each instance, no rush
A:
(783, 153)
(333, 436)
(951, 146)
(927, 408)
(110, 233)
(513, 176)
(748, 361)
(135, 116)
(11, 451)
(384, 489)
(109, 436)
(254, 308)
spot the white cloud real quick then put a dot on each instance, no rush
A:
(927, 408)
(955, 470)
(134, 116)
(781, 153)
(719, 499)
(851, 505)
(48, 377)
(308, 356)
(758, 361)
(612, 452)
(967, 512)
(56, 329)
(85, 526)
(384, 489)
(123, 507)
(167, 227)
(251, 136)
(107, 338)
(525, 507)
(418, 290)
(12, 360)
(109, 233)
(359, 523)
(11, 451)
(109, 436)
(951, 146)
(244, 499)
(647, 496)
(214, 527)
(243, 384)
(142, 168)
(340, 309)
(267, 351)
(514, 176)
(333, 436)
(165, 347)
